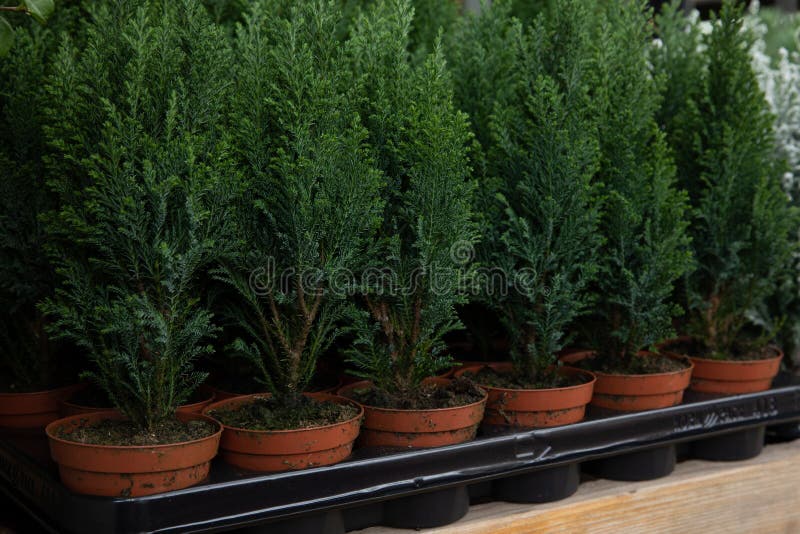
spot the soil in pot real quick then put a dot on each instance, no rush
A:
(444, 413)
(265, 413)
(264, 435)
(123, 433)
(556, 398)
(104, 454)
(743, 371)
(650, 381)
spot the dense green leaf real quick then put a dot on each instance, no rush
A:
(40, 10)
(6, 36)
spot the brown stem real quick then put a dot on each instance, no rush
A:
(20, 8)
(276, 319)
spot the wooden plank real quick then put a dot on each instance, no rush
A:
(760, 495)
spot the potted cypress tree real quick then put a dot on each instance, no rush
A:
(644, 224)
(142, 176)
(419, 140)
(543, 148)
(742, 224)
(34, 368)
(311, 208)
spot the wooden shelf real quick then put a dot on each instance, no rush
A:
(760, 495)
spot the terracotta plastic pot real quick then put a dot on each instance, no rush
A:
(129, 471)
(32, 410)
(632, 393)
(531, 408)
(385, 427)
(731, 377)
(285, 450)
(67, 408)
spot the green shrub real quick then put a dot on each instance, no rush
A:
(26, 275)
(419, 140)
(528, 97)
(644, 221)
(142, 175)
(312, 202)
(741, 221)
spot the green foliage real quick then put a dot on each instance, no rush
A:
(419, 140)
(430, 17)
(143, 178)
(741, 219)
(482, 52)
(38, 10)
(26, 276)
(312, 202)
(25, 273)
(529, 99)
(647, 248)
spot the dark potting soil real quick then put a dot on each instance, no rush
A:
(265, 413)
(118, 432)
(698, 349)
(458, 392)
(489, 377)
(638, 365)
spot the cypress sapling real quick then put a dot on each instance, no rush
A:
(426, 239)
(644, 222)
(142, 175)
(311, 206)
(742, 224)
(545, 153)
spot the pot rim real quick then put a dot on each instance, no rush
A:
(221, 403)
(684, 359)
(667, 342)
(590, 374)
(117, 416)
(400, 411)
(41, 392)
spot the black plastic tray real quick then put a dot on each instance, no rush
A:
(423, 488)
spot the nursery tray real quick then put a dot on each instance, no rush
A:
(422, 488)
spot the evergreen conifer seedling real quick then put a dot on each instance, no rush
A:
(644, 222)
(542, 153)
(312, 201)
(419, 140)
(142, 176)
(741, 221)
(26, 275)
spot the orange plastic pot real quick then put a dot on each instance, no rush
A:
(731, 377)
(285, 450)
(385, 427)
(32, 410)
(67, 408)
(633, 393)
(129, 471)
(532, 408)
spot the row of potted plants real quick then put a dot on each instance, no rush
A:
(278, 195)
